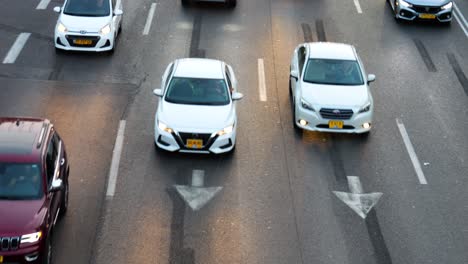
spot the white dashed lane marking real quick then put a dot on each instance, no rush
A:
(261, 81)
(15, 50)
(114, 169)
(457, 14)
(411, 152)
(43, 4)
(149, 19)
(358, 6)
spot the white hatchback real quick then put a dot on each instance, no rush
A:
(197, 108)
(88, 25)
(329, 89)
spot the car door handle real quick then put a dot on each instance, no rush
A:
(62, 161)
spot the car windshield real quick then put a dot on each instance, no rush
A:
(92, 8)
(20, 181)
(333, 72)
(197, 91)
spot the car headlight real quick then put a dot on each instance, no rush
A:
(31, 238)
(447, 6)
(61, 27)
(404, 3)
(106, 29)
(164, 127)
(226, 130)
(306, 105)
(365, 108)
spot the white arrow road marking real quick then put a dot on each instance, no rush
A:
(360, 202)
(197, 196)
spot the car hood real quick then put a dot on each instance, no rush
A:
(335, 95)
(89, 24)
(428, 2)
(19, 217)
(195, 118)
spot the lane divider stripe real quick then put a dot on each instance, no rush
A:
(411, 152)
(43, 4)
(149, 19)
(261, 81)
(114, 168)
(457, 14)
(358, 6)
(15, 50)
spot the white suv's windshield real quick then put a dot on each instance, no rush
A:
(197, 91)
(20, 181)
(333, 72)
(92, 8)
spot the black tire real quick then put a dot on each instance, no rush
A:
(64, 202)
(47, 253)
(231, 3)
(186, 2)
(58, 51)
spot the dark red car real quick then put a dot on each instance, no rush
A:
(33, 188)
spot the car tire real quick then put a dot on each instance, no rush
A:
(231, 3)
(296, 127)
(186, 2)
(64, 202)
(47, 253)
(58, 51)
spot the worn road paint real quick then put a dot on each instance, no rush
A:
(114, 169)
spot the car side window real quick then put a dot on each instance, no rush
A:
(50, 161)
(228, 79)
(169, 73)
(301, 59)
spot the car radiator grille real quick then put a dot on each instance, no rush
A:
(426, 9)
(71, 39)
(339, 114)
(9, 243)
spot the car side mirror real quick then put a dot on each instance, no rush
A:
(56, 186)
(118, 12)
(57, 9)
(237, 96)
(295, 74)
(158, 92)
(370, 78)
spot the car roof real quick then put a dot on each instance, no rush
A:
(199, 68)
(331, 50)
(19, 138)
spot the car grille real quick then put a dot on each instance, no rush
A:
(204, 137)
(72, 38)
(9, 243)
(340, 114)
(426, 9)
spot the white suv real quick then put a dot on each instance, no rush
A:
(329, 89)
(88, 25)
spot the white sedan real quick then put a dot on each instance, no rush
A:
(329, 89)
(88, 25)
(197, 109)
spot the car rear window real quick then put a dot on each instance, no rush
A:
(92, 8)
(197, 91)
(20, 181)
(333, 72)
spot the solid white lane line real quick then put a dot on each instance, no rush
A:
(261, 81)
(198, 178)
(411, 152)
(43, 4)
(149, 19)
(114, 169)
(358, 6)
(460, 19)
(15, 50)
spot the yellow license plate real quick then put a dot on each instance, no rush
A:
(1, 259)
(427, 16)
(195, 143)
(335, 124)
(83, 41)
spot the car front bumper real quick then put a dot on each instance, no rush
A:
(315, 122)
(419, 12)
(99, 42)
(212, 143)
(29, 255)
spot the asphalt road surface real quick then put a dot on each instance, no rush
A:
(277, 203)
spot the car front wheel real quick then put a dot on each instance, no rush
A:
(186, 2)
(231, 3)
